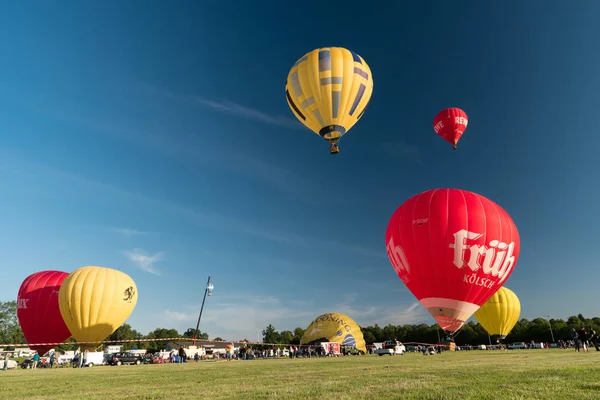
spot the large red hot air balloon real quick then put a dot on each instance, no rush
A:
(38, 312)
(453, 249)
(450, 124)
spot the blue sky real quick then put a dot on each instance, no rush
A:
(156, 140)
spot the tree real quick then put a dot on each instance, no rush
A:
(160, 333)
(10, 329)
(218, 339)
(369, 337)
(298, 333)
(191, 332)
(125, 332)
(287, 337)
(270, 335)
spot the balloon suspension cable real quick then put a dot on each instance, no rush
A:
(454, 147)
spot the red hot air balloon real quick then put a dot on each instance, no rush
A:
(38, 312)
(450, 124)
(453, 249)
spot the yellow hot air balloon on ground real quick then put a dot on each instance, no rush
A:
(95, 301)
(328, 90)
(500, 313)
(334, 327)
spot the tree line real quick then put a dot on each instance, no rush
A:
(472, 333)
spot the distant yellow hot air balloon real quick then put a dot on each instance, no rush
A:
(328, 90)
(500, 313)
(95, 301)
(334, 327)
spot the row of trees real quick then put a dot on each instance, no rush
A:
(472, 333)
(539, 330)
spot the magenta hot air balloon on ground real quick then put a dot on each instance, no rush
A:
(38, 311)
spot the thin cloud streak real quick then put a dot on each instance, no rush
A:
(194, 152)
(205, 219)
(247, 112)
(252, 167)
(144, 261)
(227, 107)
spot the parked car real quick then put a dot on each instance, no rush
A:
(351, 350)
(125, 358)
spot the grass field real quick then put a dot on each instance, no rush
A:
(519, 374)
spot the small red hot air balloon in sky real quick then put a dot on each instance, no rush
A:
(453, 249)
(450, 124)
(38, 311)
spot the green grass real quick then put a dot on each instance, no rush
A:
(520, 374)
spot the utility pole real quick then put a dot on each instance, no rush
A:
(550, 323)
(207, 291)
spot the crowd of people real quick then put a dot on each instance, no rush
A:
(582, 339)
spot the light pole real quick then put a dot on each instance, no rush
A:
(550, 323)
(207, 291)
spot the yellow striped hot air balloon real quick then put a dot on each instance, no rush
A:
(500, 313)
(328, 90)
(95, 301)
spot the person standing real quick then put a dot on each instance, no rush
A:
(583, 337)
(575, 339)
(5, 367)
(594, 338)
(36, 359)
(77, 357)
(83, 362)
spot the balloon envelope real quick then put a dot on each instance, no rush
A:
(38, 311)
(500, 313)
(453, 249)
(328, 90)
(450, 124)
(334, 327)
(95, 301)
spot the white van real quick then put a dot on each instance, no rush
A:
(391, 347)
(94, 358)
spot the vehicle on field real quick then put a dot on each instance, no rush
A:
(391, 347)
(351, 351)
(91, 359)
(124, 358)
